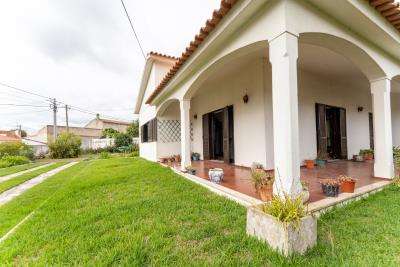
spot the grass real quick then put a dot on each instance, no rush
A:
(8, 184)
(15, 169)
(131, 212)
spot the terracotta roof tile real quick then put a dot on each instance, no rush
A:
(152, 53)
(388, 9)
(217, 16)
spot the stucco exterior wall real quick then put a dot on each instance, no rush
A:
(249, 119)
(253, 137)
(314, 89)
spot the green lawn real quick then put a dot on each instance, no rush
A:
(8, 184)
(132, 212)
(15, 169)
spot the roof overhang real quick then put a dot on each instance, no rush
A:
(356, 15)
(143, 83)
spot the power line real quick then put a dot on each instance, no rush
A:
(133, 29)
(72, 107)
(21, 105)
(22, 90)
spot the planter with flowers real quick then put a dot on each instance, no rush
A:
(347, 183)
(263, 181)
(367, 154)
(330, 187)
(190, 170)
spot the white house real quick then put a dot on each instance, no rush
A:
(277, 82)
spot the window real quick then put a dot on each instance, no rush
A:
(148, 131)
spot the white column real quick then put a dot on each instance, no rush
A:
(185, 133)
(283, 53)
(383, 166)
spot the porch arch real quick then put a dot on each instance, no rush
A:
(358, 56)
(220, 62)
(166, 104)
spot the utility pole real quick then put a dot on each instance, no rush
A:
(54, 107)
(66, 116)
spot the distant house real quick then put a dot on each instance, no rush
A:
(92, 130)
(87, 134)
(9, 136)
(37, 146)
(99, 123)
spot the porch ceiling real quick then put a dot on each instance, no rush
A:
(312, 58)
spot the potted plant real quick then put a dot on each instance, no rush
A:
(284, 224)
(367, 154)
(163, 160)
(177, 158)
(310, 163)
(195, 156)
(263, 181)
(347, 183)
(358, 158)
(321, 159)
(305, 192)
(330, 187)
(216, 175)
(190, 170)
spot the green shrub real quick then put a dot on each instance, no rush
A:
(8, 161)
(285, 209)
(122, 140)
(133, 154)
(109, 133)
(105, 155)
(16, 149)
(67, 145)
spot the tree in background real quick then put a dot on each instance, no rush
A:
(122, 140)
(133, 129)
(16, 149)
(109, 133)
(67, 145)
(23, 133)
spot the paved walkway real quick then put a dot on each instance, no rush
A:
(8, 177)
(18, 190)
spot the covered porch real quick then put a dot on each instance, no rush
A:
(238, 178)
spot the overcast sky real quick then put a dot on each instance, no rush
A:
(83, 53)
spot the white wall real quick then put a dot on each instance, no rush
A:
(315, 89)
(249, 119)
(172, 112)
(253, 121)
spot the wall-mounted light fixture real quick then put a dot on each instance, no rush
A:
(195, 116)
(245, 98)
(360, 108)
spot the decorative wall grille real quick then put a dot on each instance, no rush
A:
(169, 131)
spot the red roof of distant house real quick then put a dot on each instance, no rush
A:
(9, 136)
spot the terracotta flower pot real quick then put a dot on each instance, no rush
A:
(177, 158)
(310, 164)
(266, 192)
(347, 186)
(369, 157)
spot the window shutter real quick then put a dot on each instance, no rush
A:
(142, 134)
(154, 130)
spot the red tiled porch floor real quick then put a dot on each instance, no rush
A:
(238, 178)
